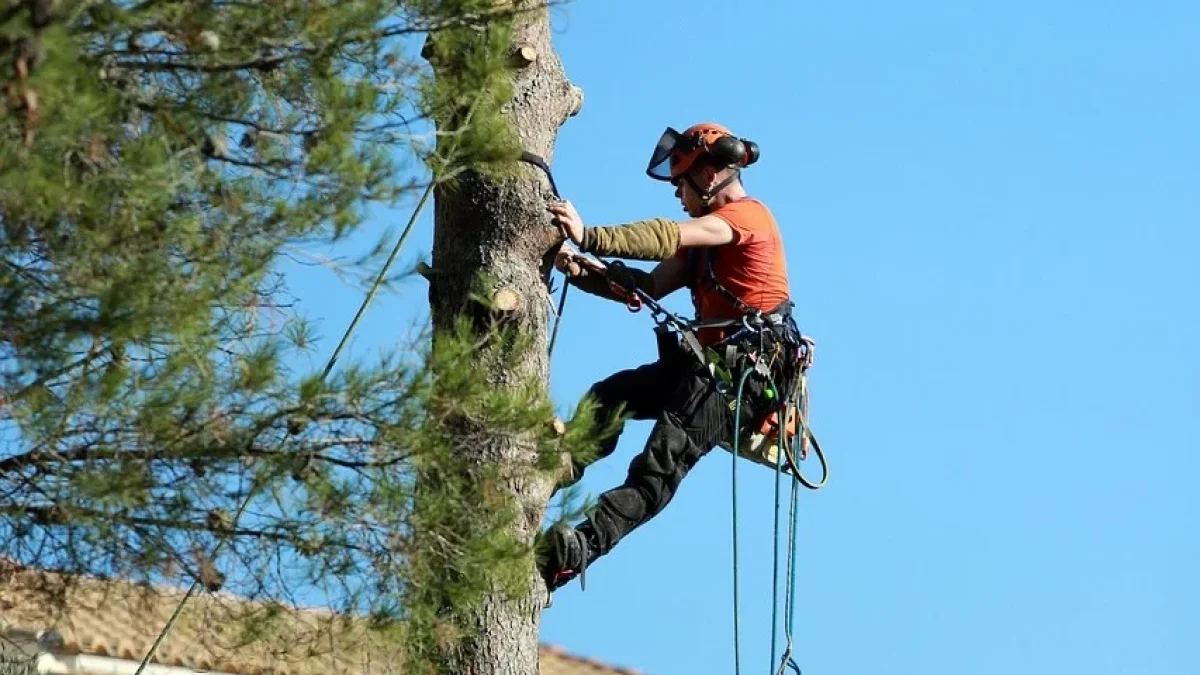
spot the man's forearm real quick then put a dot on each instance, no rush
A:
(593, 282)
(653, 239)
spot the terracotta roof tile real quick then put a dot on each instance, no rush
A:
(120, 619)
(556, 661)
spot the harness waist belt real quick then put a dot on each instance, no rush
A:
(774, 317)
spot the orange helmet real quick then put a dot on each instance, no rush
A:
(677, 152)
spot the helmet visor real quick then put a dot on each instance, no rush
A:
(668, 151)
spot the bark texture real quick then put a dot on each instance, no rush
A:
(499, 226)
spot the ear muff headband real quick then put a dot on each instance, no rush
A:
(734, 151)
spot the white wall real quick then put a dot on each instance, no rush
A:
(78, 664)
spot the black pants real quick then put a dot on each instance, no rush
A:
(691, 417)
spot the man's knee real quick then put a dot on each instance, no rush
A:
(659, 469)
(608, 394)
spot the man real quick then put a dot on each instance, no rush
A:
(730, 254)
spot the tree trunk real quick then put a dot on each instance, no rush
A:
(499, 227)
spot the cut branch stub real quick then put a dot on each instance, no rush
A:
(208, 41)
(505, 300)
(28, 55)
(425, 270)
(577, 101)
(525, 56)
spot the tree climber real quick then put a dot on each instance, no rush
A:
(730, 255)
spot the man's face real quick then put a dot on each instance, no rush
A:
(687, 196)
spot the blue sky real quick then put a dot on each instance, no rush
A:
(991, 215)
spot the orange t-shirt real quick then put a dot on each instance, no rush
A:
(752, 266)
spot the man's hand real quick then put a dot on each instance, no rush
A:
(566, 218)
(570, 262)
(622, 277)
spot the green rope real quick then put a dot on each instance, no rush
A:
(737, 433)
(190, 592)
(408, 228)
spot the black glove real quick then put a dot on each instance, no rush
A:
(622, 276)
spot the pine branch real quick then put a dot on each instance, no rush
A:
(65, 515)
(260, 63)
(89, 455)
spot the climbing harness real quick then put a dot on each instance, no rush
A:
(700, 267)
(760, 447)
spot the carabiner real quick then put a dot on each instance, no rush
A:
(758, 322)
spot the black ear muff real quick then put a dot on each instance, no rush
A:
(752, 152)
(728, 150)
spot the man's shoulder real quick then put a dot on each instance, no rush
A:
(746, 214)
(746, 206)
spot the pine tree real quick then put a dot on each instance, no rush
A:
(156, 159)
(498, 224)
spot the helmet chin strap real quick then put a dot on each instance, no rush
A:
(706, 196)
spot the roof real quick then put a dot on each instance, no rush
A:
(120, 619)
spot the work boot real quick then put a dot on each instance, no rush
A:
(567, 556)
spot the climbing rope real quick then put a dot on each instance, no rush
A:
(737, 433)
(786, 661)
